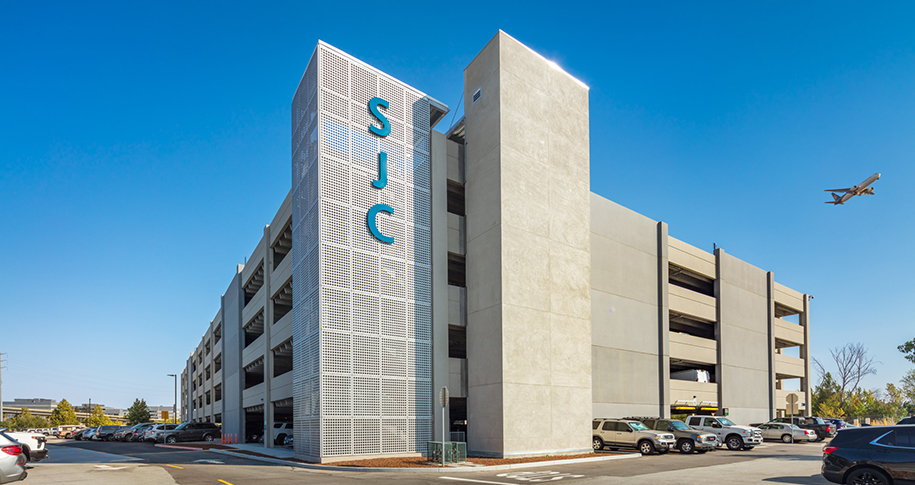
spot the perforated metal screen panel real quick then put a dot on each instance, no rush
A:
(362, 360)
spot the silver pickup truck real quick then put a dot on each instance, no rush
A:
(734, 436)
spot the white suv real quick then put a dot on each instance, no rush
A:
(280, 432)
(33, 444)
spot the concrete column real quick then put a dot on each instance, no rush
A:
(804, 320)
(719, 369)
(439, 282)
(663, 324)
(528, 254)
(268, 343)
(770, 286)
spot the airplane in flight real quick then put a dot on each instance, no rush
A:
(861, 189)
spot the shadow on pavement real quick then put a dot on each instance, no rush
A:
(812, 479)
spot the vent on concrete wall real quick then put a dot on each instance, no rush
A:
(476, 95)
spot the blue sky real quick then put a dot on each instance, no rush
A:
(143, 147)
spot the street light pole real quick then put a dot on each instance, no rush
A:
(175, 407)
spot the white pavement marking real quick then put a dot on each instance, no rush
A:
(107, 467)
(210, 462)
(474, 481)
(544, 476)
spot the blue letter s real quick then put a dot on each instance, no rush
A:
(385, 124)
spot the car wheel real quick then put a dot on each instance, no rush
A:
(786, 438)
(207, 437)
(597, 443)
(28, 455)
(280, 440)
(646, 447)
(867, 476)
(734, 443)
(686, 446)
(171, 439)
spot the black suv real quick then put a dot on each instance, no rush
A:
(874, 455)
(909, 420)
(190, 432)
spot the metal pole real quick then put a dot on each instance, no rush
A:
(1, 386)
(175, 407)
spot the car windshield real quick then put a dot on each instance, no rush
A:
(679, 425)
(638, 426)
(726, 422)
(794, 426)
(182, 426)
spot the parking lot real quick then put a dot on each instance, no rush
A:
(143, 463)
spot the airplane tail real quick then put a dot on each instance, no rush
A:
(836, 200)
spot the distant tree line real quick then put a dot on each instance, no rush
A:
(840, 395)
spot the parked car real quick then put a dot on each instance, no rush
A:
(103, 433)
(138, 430)
(81, 434)
(822, 428)
(67, 431)
(909, 420)
(89, 435)
(289, 441)
(151, 432)
(280, 432)
(734, 436)
(688, 439)
(190, 432)
(629, 433)
(119, 434)
(839, 423)
(788, 433)
(33, 445)
(873, 455)
(12, 460)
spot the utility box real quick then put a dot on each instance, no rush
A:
(454, 451)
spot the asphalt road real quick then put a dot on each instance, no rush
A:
(139, 463)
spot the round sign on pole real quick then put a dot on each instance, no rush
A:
(792, 399)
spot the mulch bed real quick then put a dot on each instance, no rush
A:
(422, 462)
(401, 462)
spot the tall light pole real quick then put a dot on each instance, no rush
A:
(1, 386)
(175, 408)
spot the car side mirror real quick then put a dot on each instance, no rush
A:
(670, 428)
(628, 430)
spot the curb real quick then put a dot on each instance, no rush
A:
(185, 448)
(427, 470)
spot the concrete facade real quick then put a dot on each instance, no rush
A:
(538, 304)
(528, 254)
(660, 305)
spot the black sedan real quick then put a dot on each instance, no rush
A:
(873, 455)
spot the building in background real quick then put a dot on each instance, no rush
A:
(404, 260)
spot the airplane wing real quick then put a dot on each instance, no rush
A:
(837, 190)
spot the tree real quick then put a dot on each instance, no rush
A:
(826, 400)
(98, 417)
(138, 412)
(63, 414)
(908, 349)
(852, 364)
(25, 420)
(908, 386)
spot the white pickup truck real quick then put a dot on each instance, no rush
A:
(734, 436)
(33, 444)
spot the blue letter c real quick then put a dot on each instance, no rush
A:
(373, 225)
